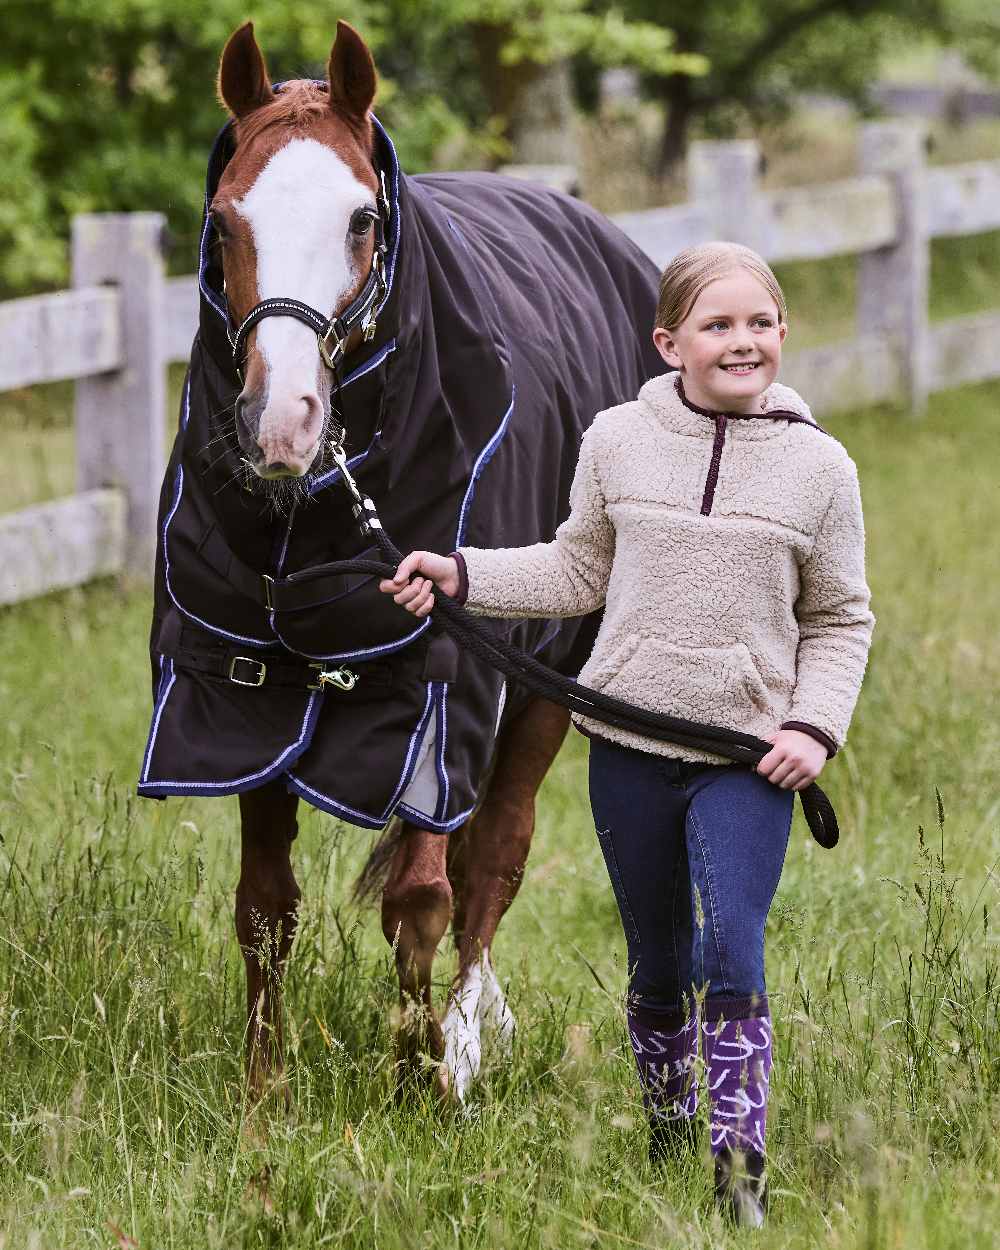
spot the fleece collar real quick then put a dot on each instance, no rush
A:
(662, 397)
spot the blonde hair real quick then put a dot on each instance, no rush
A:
(692, 270)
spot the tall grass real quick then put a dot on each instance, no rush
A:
(121, 1112)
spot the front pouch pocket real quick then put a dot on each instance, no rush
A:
(711, 685)
(347, 616)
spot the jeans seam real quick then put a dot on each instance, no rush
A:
(770, 901)
(695, 824)
(607, 835)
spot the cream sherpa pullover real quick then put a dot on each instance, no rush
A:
(729, 554)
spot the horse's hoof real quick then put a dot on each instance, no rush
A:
(258, 1190)
(462, 1045)
(497, 1016)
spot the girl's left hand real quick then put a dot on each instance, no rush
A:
(795, 760)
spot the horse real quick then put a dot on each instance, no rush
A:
(448, 337)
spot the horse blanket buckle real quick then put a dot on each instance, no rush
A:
(257, 678)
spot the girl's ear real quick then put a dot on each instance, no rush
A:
(666, 345)
(782, 331)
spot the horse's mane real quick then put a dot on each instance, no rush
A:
(299, 105)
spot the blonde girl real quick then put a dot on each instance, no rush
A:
(720, 528)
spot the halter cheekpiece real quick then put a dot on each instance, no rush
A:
(332, 332)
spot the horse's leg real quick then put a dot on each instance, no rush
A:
(487, 870)
(416, 908)
(267, 900)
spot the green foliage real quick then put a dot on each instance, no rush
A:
(110, 104)
(117, 110)
(762, 53)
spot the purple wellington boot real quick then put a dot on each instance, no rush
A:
(666, 1062)
(738, 1063)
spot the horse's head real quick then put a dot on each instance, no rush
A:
(294, 209)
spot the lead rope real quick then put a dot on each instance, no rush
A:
(517, 665)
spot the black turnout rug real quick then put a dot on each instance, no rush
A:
(513, 315)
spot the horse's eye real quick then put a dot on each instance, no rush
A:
(361, 221)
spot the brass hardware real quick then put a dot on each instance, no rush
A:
(342, 678)
(331, 354)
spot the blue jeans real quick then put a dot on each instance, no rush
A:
(694, 853)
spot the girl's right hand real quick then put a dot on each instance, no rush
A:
(418, 596)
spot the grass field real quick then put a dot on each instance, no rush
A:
(121, 984)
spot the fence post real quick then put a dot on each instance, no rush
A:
(893, 281)
(724, 182)
(120, 415)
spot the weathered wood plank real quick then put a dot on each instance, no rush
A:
(964, 349)
(893, 282)
(120, 430)
(809, 223)
(181, 319)
(844, 376)
(68, 334)
(663, 232)
(964, 199)
(64, 543)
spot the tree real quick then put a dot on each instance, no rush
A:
(762, 53)
(110, 104)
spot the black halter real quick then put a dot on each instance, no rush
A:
(333, 332)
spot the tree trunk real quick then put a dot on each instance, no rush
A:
(534, 101)
(678, 106)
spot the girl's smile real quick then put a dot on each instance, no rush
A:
(728, 347)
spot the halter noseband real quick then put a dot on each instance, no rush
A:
(333, 332)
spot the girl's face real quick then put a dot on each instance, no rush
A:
(728, 347)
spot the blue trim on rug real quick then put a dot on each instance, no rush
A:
(161, 789)
(206, 290)
(330, 805)
(364, 653)
(485, 456)
(444, 786)
(423, 821)
(162, 690)
(186, 401)
(332, 475)
(215, 629)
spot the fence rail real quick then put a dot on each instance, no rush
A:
(123, 322)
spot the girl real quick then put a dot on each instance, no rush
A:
(720, 527)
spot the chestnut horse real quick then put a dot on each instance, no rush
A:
(300, 211)
(473, 874)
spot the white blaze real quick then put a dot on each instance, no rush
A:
(299, 210)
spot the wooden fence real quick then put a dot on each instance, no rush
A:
(124, 321)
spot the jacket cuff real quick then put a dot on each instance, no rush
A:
(823, 739)
(463, 578)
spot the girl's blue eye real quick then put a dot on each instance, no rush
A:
(716, 325)
(764, 322)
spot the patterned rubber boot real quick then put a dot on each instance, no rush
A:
(738, 1062)
(666, 1062)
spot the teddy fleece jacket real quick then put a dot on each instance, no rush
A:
(728, 553)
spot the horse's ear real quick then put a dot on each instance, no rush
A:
(351, 73)
(243, 82)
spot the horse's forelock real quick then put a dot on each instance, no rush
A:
(300, 106)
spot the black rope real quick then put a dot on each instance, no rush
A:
(517, 665)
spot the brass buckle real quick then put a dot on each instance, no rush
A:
(247, 659)
(342, 678)
(331, 355)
